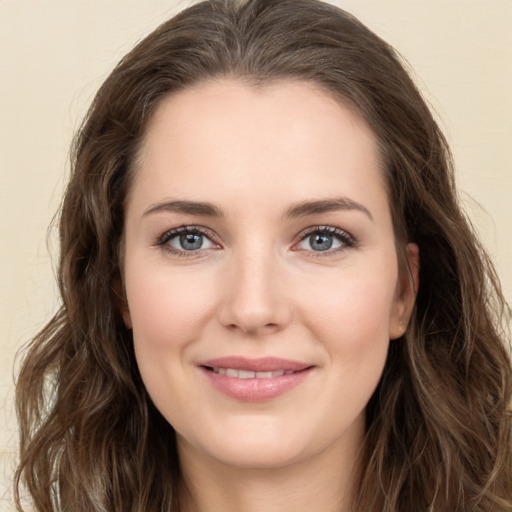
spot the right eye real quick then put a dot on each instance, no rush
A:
(187, 239)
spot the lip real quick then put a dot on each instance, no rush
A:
(255, 389)
(261, 364)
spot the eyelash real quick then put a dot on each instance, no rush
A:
(346, 240)
(164, 239)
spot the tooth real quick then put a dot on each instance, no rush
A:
(247, 374)
(244, 374)
(264, 375)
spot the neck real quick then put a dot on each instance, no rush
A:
(325, 483)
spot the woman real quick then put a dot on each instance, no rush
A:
(271, 299)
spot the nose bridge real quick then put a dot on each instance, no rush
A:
(254, 298)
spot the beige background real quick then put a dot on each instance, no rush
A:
(55, 53)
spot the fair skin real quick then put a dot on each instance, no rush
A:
(293, 258)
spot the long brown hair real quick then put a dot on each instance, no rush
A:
(439, 428)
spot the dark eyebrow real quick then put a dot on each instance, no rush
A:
(188, 207)
(306, 208)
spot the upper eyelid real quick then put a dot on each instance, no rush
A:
(170, 233)
(189, 228)
(325, 228)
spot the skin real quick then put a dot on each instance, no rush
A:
(257, 287)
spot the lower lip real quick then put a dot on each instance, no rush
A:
(255, 390)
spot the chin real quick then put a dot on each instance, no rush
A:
(257, 456)
(254, 443)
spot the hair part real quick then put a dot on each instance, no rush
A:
(439, 424)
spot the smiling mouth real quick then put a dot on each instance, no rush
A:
(257, 384)
(255, 380)
(248, 374)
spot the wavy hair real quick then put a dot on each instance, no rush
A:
(439, 428)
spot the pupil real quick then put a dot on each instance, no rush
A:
(191, 241)
(321, 242)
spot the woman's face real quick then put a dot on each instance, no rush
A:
(260, 272)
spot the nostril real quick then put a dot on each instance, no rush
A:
(250, 313)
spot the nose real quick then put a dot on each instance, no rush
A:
(254, 296)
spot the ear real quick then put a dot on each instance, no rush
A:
(405, 294)
(127, 319)
(121, 303)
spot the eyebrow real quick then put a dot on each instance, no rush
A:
(306, 208)
(302, 209)
(203, 209)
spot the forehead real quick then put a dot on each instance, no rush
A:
(286, 137)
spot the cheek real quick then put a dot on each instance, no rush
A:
(165, 308)
(168, 311)
(351, 316)
(349, 322)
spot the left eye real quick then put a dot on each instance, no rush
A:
(321, 240)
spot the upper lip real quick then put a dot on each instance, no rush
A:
(262, 364)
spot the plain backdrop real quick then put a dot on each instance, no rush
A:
(55, 53)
